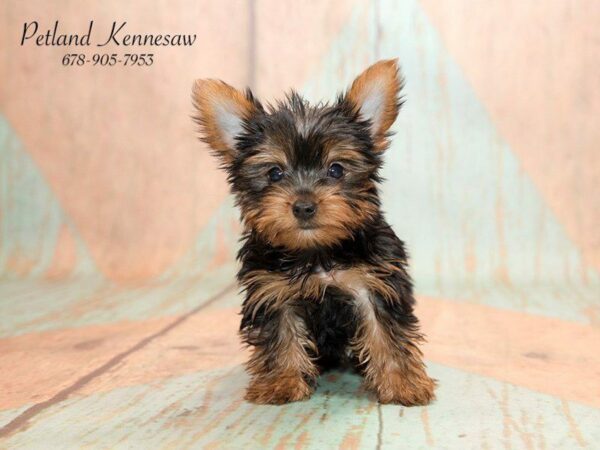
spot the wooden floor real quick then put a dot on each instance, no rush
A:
(491, 180)
(88, 364)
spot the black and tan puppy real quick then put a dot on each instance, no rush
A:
(325, 277)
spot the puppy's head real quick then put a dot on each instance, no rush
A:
(303, 176)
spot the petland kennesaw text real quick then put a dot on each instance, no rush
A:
(116, 35)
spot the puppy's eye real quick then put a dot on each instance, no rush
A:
(335, 171)
(275, 174)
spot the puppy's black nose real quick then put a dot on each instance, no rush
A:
(304, 209)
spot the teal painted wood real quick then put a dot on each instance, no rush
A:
(206, 410)
(87, 301)
(31, 216)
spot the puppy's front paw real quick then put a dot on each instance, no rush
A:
(277, 391)
(410, 389)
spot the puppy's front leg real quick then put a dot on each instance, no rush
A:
(281, 368)
(386, 346)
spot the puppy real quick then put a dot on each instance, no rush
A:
(324, 276)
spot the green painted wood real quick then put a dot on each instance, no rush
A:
(206, 410)
(88, 301)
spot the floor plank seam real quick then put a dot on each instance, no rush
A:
(21, 422)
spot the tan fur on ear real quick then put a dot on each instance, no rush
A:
(375, 93)
(221, 110)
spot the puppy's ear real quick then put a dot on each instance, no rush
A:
(375, 95)
(221, 111)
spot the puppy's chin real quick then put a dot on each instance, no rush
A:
(308, 238)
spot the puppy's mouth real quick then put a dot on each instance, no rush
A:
(307, 226)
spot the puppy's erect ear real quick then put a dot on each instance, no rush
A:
(221, 111)
(374, 94)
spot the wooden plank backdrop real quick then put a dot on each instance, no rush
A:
(118, 308)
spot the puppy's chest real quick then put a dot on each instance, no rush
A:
(352, 281)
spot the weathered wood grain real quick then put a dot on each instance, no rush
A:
(206, 409)
(117, 241)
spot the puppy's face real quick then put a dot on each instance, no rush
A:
(304, 176)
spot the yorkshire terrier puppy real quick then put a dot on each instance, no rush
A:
(325, 277)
